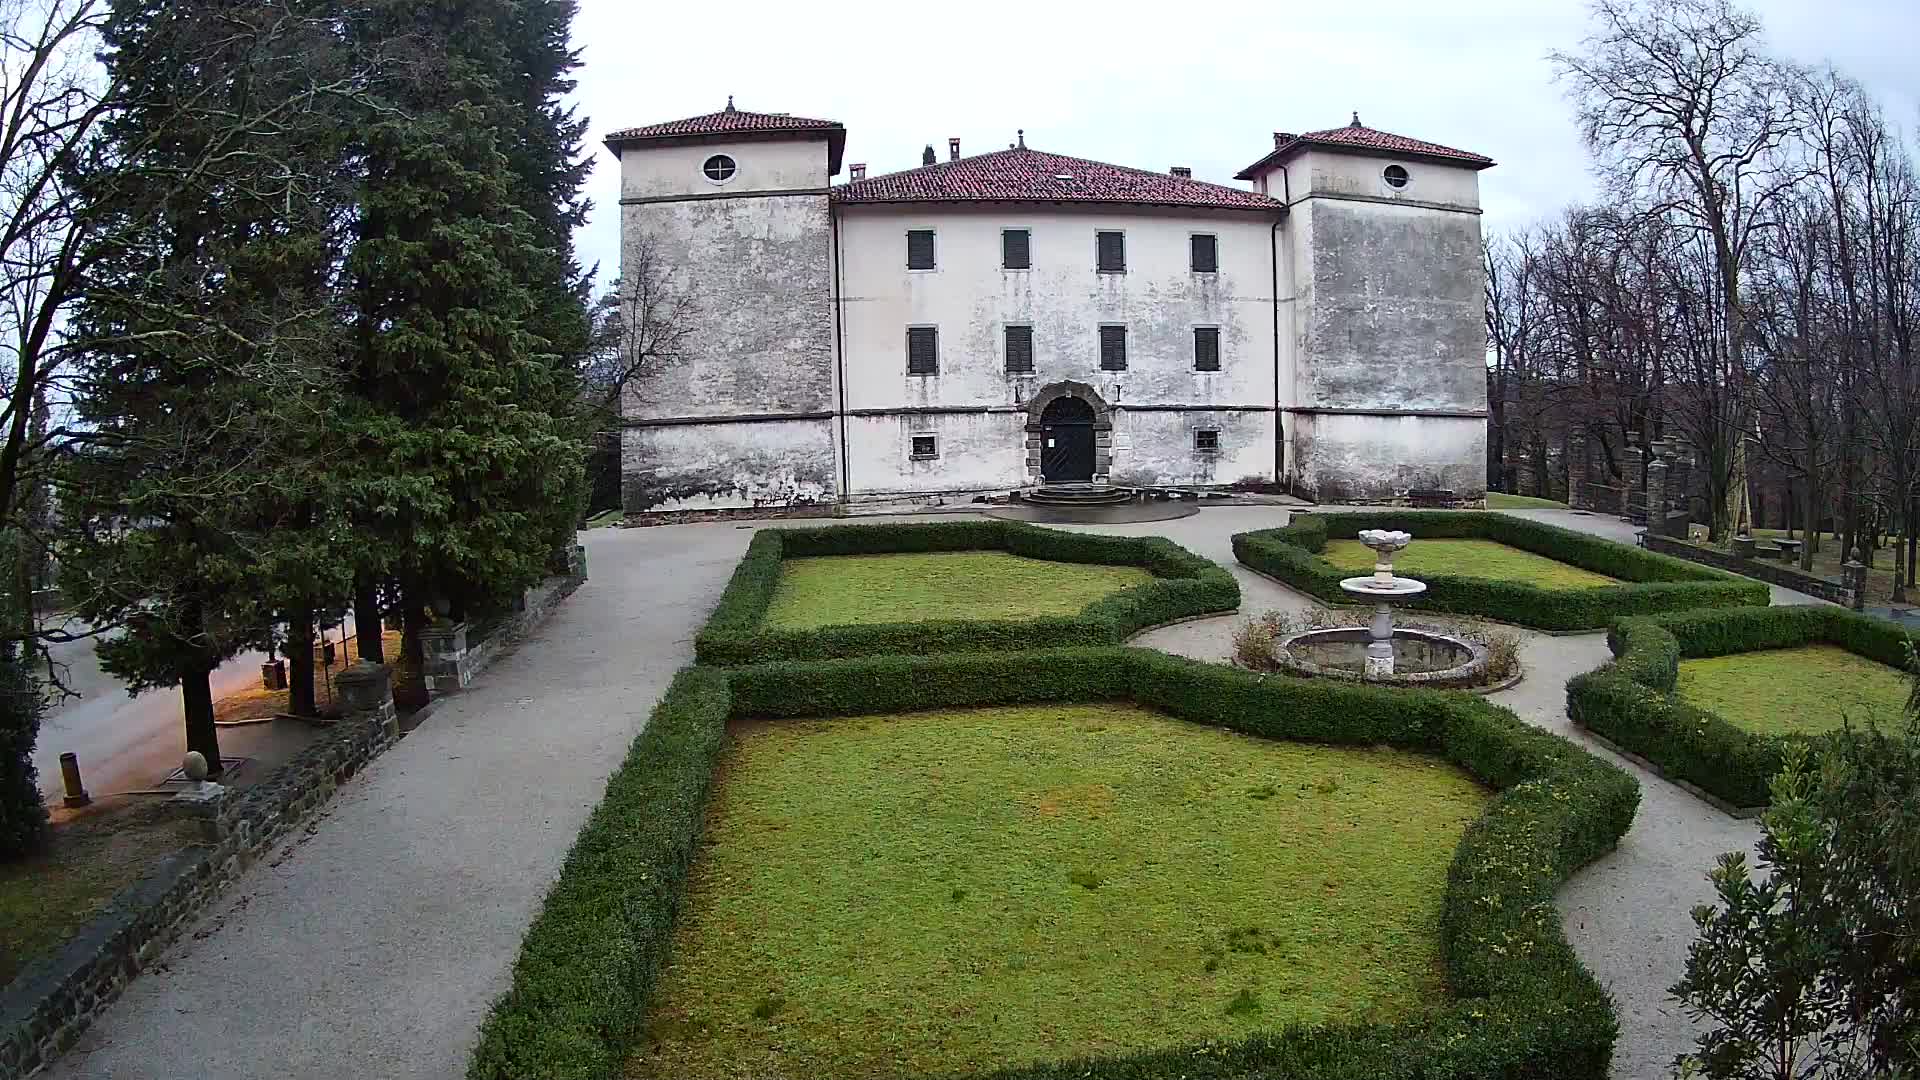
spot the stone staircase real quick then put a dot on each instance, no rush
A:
(1078, 495)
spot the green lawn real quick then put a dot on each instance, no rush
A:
(46, 897)
(1803, 690)
(843, 589)
(1469, 558)
(1500, 500)
(959, 890)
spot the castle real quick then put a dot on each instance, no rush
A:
(1002, 320)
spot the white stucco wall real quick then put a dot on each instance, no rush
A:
(1156, 448)
(984, 451)
(650, 170)
(971, 299)
(728, 465)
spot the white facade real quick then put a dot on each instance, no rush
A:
(1345, 310)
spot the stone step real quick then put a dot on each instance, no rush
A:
(1076, 495)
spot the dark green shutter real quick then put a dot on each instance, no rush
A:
(1020, 349)
(1206, 255)
(1112, 251)
(1014, 250)
(923, 352)
(920, 249)
(1113, 348)
(1206, 348)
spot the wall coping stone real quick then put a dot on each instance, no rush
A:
(1772, 573)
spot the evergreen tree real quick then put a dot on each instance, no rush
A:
(209, 325)
(468, 455)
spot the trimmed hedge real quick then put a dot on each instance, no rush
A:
(1523, 1005)
(1185, 585)
(1653, 582)
(1631, 701)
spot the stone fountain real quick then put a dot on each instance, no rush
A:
(1381, 652)
(1383, 588)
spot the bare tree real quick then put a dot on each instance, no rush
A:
(642, 326)
(1685, 112)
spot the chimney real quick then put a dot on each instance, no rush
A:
(953, 149)
(1182, 172)
(1282, 138)
(926, 156)
(860, 171)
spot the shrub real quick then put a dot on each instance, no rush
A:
(1524, 1007)
(1651, 582)
(23, 817)
(1185, 585)
(1631, 701)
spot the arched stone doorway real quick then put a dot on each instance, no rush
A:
(1069, 435)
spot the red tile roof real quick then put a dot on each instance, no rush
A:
(735, 122)
(1023, 175)
(1356, 138)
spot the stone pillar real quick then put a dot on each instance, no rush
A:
(445, 646)
(1577, 471)
(1657, 497)
(1856, 578)
(366, 690)
(1632, 462)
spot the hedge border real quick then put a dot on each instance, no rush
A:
(1651, 582)
(1631, 702)
(1185, 585)
(1524, 1008)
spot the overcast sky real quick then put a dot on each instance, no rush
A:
(1203, 85)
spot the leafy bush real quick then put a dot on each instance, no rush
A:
(1807, 968)
(1524, 1007)
(1185, 585)
(1653, 582)
(1631, 701)
(1254, 641)
(23, 817)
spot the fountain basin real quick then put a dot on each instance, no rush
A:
(1420, 658)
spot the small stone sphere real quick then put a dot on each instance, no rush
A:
(195, 766)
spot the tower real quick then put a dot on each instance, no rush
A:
(724, 221)
(1387, 382)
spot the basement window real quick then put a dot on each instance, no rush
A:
(919, 249)
(1113, 348)
(1395, 176)
(1020, 350)
(924, 448)
(1206, 441)
(923, 350)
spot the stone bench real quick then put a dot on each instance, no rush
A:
(1787, 550)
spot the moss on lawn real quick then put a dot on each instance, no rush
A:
(846, 589)
(1802, 690)
(1469, 558)
(952, 891)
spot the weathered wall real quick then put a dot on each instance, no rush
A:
(728, 465)
(971, 299)
(1154, 447)
(1350, 458)
(1390, 320)
(759, 271)
(979, 451)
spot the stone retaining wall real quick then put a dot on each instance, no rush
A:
(1770, 572)
(47, 1006)
(453, 661)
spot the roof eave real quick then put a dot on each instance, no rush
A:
(836, 137)
(1272, 206)
(1275, 157)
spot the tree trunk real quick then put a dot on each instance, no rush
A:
(300, 699)
(1809, 524)
(1913, 537)
(196, 700)
(366, 621)
(410, 682)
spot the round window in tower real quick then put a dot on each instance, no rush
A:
(1395, 176)
(719, 168)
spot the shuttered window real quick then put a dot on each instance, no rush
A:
(1113, 348)
(1206, 348)
(923, 350)
(1014, 249)
(1020, 349)
(919, 249)
(1206, 255)
(1110, 249)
